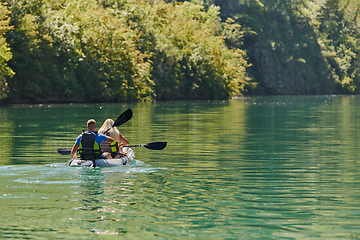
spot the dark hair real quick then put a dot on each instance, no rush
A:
(91, 123)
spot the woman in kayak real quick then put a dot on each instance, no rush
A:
(112, 150)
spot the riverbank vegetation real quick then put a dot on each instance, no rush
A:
(120, 50)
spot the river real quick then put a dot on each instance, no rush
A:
(280, 167)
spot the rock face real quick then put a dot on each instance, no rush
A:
(295, 77)
(284, 52)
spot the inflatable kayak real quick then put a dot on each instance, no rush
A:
(129, 159)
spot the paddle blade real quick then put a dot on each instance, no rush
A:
(64, 151)
(156, 145)
(123, 118)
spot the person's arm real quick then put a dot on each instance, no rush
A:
(75, 148)
(109, 140)
(74, 151)
(123, 140)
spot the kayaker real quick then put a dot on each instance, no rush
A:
(112, 150)
(88, 143)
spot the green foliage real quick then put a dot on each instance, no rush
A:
(336, 28)
(106, 46)
(281, 46)
(339, 31)
(77, 51)
(117, 50)
(311, 37)
(5, 53)
(191, 59)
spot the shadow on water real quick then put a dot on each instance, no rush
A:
(256, 168)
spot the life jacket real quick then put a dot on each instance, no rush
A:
(89, 149)
(112, 148)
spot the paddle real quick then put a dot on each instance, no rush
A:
(64, 151)
(123, 118)
(152, 146)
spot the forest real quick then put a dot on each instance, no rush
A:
(61, 51)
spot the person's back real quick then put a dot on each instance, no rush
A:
(89, 149)
(111, 148)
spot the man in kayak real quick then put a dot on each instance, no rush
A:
(88, 143)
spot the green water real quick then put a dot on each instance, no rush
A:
(259, 168)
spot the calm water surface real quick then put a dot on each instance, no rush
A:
(258, 168)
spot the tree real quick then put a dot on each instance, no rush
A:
(191, 59)
(118, 50)
(5, 52)
(339, 32)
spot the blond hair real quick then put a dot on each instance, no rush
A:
(114, 132)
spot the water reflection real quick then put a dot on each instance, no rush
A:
(263, 167)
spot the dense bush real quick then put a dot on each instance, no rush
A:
(117, 50)
(5, 53)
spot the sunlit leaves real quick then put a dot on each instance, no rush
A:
(339, 31)
(117, 50)
(192, 58)
(5, 53)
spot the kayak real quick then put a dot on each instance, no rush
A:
(129, 159)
